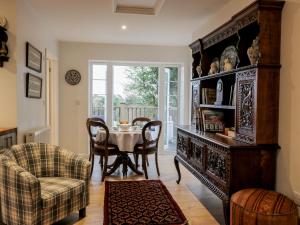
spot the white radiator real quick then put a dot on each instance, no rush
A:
(39, 135)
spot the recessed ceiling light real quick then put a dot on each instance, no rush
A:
(124, 27)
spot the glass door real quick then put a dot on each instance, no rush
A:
(170, 107)
(124, 91)
(98, 90)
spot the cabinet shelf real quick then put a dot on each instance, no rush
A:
(224, 73)
(217, 106)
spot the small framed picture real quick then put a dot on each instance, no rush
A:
(33, 86)
(33, 58)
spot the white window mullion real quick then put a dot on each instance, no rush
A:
(161, 102)
(109, 103)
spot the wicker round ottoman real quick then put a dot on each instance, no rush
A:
(262, 207)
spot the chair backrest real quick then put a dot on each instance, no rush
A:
(97, 138)
(96, 118)
(41, 160)
(154, 127)
(140, 120)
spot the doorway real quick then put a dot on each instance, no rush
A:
(124, 91)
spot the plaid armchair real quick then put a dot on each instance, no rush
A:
(41, 184)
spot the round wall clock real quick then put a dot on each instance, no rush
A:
(72, 77)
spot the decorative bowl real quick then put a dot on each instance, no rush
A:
(124, 127)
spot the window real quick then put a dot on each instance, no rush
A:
(99, 91)
(124, 91)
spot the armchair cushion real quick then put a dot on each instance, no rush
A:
(57, 190)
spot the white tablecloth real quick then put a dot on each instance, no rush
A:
(126, 140)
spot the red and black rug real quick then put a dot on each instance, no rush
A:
(140, 203)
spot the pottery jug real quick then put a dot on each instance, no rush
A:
(253, 52)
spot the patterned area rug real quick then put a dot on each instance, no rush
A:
(140, 203)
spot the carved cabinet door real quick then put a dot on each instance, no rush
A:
(246, 106)
(218, 163)
(195, 100)
(183, 145)
(197, 154)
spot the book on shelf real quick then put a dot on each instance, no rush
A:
(213, 120)
(208, 96)
(201, 128)
(232, 95)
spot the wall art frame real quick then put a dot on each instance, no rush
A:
(33, 86)
(33, 58)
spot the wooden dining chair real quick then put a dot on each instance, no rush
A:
(138, 121)
(150, 134)
(96, 118)
(100, 147)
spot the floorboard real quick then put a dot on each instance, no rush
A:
(193, 198)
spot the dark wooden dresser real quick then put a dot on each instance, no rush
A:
(8, 137)
(235, 78)
(224, 165)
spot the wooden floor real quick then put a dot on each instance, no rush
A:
(195, 212)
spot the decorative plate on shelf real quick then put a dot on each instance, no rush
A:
(231, 54)
(72, 77)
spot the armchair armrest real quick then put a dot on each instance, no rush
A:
(20, 193)
(75, 166)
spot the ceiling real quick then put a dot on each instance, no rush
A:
(97, 20)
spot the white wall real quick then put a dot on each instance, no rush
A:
(288, 160)
(288, 179)
(74, 99)
(30, 27)
(8, 90)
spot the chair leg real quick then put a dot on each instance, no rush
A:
(93, 156)
(82, 213)
(136, 160)
(104, 168)
(144, 166)
(156, 162)
(101, 162)
(147, 160)
(90, 152)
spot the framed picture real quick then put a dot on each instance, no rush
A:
(33, 58)
(33, 86)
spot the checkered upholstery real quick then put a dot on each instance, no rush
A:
(41, 184)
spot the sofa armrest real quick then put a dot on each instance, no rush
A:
(20, 193)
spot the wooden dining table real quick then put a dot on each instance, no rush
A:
(125, 140)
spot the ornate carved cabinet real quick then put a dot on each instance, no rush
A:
(250, 103)
(224, 165)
